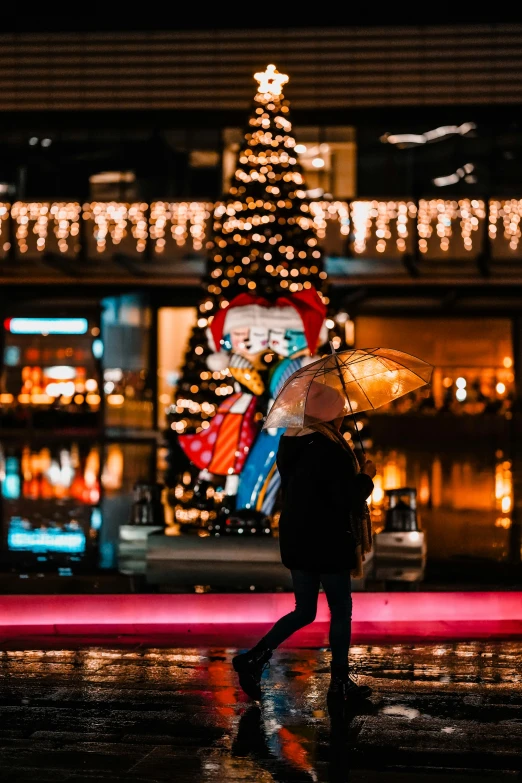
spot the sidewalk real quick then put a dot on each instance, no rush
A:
(440, 712)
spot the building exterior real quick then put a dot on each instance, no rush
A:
(115, 148)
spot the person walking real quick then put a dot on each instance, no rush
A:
(324, 535)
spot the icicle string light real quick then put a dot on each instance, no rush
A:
(182, 220)
(4, 215)
(508, 214)
(113, 220)
(188, 224)
(38, 218)
(441, 216)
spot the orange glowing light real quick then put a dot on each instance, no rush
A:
(271, 81)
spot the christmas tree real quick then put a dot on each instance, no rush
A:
(264, 233)
(264, 313)
(264, 241)
(199, 388)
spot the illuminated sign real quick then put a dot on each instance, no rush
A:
(46, 325)
(45, 539)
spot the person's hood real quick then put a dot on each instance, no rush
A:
(289, 452)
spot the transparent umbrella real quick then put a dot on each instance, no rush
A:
(364, 379)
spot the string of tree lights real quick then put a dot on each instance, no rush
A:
(264, 242)
(264, 233)
(262, 317)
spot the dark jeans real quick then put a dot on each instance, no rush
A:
(306, 588)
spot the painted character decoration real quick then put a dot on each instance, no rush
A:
(262, 344)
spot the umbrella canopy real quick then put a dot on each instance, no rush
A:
(344, 383)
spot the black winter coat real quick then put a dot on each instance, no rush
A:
(319, 487)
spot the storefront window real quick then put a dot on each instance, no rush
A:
(472, 359)
(464, 496)
(174, 327)
(50, 514)
(51, 372)
(126, 327)
(62, 504)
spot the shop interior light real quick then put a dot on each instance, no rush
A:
(97, 349)
(46, 325)
(111, 177)
(63, 389)
(437, 134)
(318, 163)
(465, 172)
(60, 373)
(116, 399)
(113, 374)
(300, 148)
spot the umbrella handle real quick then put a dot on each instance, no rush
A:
(334, 353)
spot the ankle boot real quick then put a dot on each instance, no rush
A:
(342, 685)
(250, 666)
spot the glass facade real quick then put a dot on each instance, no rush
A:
(127, 376)
(65, 497)
(51, 372)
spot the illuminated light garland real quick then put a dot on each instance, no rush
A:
(189, 218)
(441, 214)
(383, 213)
(139, 226)
(30, 213)
(66, 223)
(111, 220)
(361, 222)
(4, 215)
(405, 213)
(186, 219)
(510, 213)
(373, 219)
(34, 218)
(188, 222)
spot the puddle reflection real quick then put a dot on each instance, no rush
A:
(62, 502)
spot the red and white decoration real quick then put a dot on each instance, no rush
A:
(223, 447)
(256, 325)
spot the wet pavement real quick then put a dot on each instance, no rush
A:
(444, 712)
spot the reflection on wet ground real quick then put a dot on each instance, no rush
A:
(439, 712)
(63, 501)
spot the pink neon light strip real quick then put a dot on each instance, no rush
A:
(44, 612)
